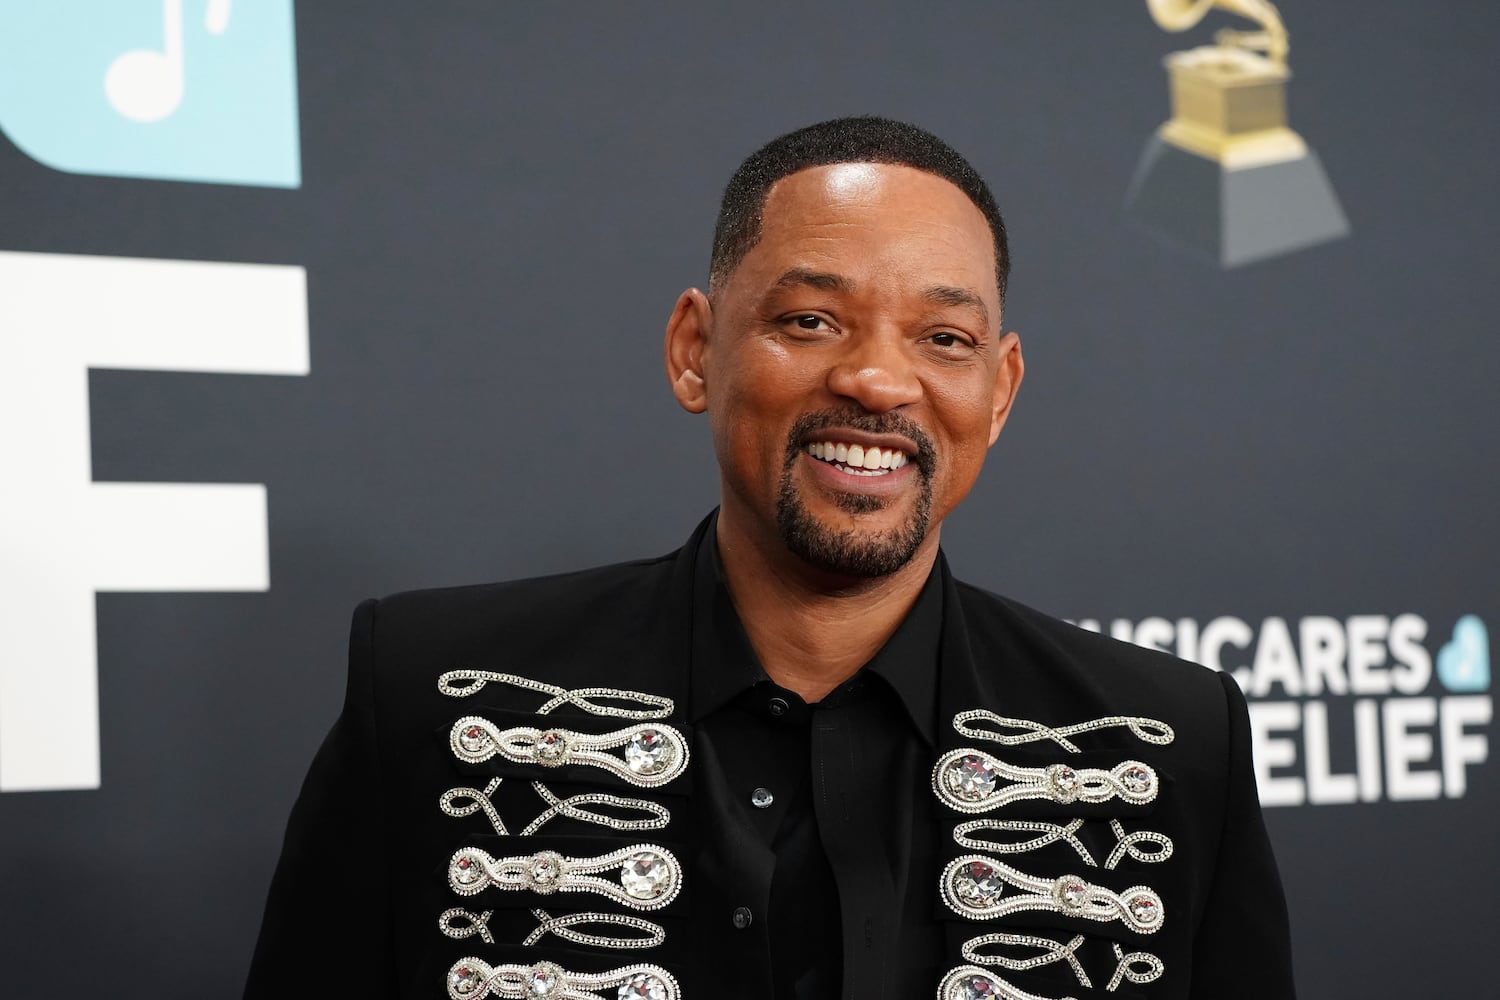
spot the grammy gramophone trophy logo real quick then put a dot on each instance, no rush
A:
(1226, 176)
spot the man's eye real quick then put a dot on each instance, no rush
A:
(808, 322)
(948, 340)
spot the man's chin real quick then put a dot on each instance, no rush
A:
(862, 546)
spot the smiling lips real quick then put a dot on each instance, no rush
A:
(857, 460)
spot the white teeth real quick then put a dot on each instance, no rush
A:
(857, 460)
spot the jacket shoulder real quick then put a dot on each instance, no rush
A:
(1123, 672)
(590, 613)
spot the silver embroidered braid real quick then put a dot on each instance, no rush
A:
(1126, 845)
(562, 926)
(972, 981)
(476, 979)
(478, 801)
(652, 755)
(473, 925)
(572, 807)
(969, 780)
(1027, 731)
(972, 885)
(1052, 951)
(1153, 971)
(659, 707)
(642, 876)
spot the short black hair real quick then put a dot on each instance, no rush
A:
(863, 139)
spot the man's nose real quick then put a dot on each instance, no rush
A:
(876, 371)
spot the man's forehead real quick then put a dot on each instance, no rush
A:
(809, 209)
(855, 183)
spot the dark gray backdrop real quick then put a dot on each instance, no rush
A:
(499, 204)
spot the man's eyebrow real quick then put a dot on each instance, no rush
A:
(821, 280)
(948, 295)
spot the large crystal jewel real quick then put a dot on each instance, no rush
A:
(1071, 891)
(977, 884)
(463, 980)
(975, 988)
(544, 980)
(550, 748)
(971, 777)
(648, 752)
(1144, 909)
(1136, 779)
(643, 986)
(473, 739)
(645, 874)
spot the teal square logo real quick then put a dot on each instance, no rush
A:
(183, 90)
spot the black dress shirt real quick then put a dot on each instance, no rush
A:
(823, 808)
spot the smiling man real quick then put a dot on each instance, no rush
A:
(796, 758)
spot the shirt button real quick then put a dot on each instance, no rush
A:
(779, 707)
(761, 798)
(741, 917)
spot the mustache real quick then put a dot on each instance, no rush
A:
(804, 432)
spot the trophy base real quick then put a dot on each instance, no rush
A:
(1234, 215)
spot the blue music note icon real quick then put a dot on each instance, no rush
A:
(194, 90)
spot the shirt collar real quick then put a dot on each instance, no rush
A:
(724, 663)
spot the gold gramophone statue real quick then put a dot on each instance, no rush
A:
(1226, 175)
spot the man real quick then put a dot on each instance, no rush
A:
(794, 759)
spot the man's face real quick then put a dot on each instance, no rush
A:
(853, 367)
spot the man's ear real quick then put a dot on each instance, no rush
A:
(687, 335)
(1007, 381)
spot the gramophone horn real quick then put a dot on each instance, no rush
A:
(1178, 15)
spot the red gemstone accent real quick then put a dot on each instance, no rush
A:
(464, 863)
(473, 733)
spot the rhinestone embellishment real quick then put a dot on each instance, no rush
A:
(977, 884)
(651, 757)
(463, 980)
(648, 752)
(1145, 908)
(544, 980)
(550, 748)
(473, 739)
(1072, 892)
(543, 873)
(968, 780)
(645, 986)
(1136, 779)
(646, 877)
(971, 777)
(475, 979)
(969, 982)
(1138, 907)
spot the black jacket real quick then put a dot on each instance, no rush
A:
(365, 871)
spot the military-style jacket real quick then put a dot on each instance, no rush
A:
(504, 809)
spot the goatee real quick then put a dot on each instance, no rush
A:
(854, 552)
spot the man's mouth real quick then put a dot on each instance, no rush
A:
(858, 460)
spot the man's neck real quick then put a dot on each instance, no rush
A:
(811, 630)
